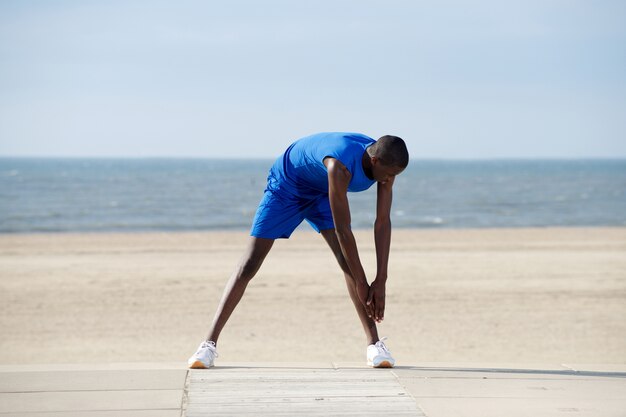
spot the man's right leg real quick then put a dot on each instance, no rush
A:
(276, 217)
(250, 262)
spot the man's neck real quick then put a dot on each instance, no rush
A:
(367, 165)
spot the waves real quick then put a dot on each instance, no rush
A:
(72, 195)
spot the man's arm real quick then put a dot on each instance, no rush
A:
(382, 237)
(338, 181)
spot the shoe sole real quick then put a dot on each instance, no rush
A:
(383, 364)
(197, 365)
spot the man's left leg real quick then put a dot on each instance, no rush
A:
(369, 325)
(378, 356)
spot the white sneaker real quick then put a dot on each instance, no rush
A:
(378, 356)
(204, 356)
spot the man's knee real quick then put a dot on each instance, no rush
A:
(332, 241)
(342, 262)
(253, 258)
(248, 268)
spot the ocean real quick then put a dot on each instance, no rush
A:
(102, 195)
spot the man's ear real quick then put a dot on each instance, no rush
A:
(374, 160)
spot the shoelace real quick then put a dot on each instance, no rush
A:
(211, 346)
(381, 346)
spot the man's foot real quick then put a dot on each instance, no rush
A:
(204, 356)
(378, 356)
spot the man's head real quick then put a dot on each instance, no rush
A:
(389, 157)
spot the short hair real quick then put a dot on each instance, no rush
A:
(391, 151)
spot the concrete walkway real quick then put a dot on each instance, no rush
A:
(312, 389)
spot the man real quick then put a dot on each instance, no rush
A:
(310, 181)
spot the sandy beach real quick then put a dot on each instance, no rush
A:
(484, 295)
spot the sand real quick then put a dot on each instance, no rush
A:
(552, 295)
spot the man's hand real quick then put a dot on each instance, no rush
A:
(376, 300)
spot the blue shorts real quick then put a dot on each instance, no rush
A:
(279, 214)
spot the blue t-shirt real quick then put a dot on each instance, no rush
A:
(301, 172)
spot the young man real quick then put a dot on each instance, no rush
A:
(310, 181)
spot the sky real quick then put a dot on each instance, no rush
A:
(243, 79)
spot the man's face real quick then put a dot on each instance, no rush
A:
(383, 173)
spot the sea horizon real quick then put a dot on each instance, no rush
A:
(268, 158)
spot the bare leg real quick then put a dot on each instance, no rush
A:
(369, 325)
(248, 266)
